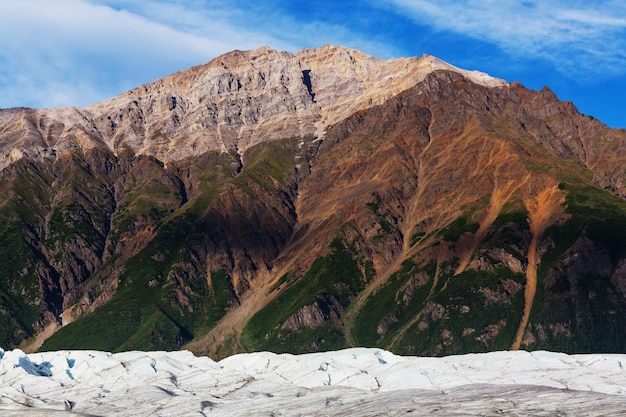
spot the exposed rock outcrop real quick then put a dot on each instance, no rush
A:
(324, 309)
(230, 104)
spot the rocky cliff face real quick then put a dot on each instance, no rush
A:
(316, 200)
(235, 101)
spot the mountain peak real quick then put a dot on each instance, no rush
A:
(231, 103)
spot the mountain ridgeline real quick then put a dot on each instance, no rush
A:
(314, 201)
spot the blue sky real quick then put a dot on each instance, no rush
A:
(77, 52)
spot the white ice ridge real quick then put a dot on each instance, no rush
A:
(352, 382)
(475, 76)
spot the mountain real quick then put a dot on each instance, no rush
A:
(354, 382)
(314, 201)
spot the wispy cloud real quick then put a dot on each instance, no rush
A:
(76, 52)
(576, 37)
(64, 52)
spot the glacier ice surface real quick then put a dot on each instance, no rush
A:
(351, 382)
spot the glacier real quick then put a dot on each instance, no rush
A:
(351, 382)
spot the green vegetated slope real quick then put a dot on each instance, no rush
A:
(321, 295)
(425, 308)
(580, 300)
(180, 283)
(53, 220)
(19, 299)
(421, 309)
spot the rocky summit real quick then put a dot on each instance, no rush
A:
(314, 201)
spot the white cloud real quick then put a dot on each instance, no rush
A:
(72, 52)
(77, 52)
(574, 36)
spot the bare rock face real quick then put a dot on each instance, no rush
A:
(233, 102)
(324, 309)
(618, 278)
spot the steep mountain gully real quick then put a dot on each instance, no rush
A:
(505, 183)
(541, 209)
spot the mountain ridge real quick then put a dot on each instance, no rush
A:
(236, 102)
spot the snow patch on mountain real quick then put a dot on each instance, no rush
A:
(475, 76)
